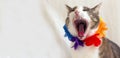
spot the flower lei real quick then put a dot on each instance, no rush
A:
(92, 40)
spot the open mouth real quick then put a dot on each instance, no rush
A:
(81, 26)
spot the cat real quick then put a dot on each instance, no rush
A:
(83, 22)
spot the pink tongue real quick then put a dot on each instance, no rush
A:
(81, 30)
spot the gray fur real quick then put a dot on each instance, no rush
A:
(109, 49)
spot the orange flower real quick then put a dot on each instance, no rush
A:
(101, 28)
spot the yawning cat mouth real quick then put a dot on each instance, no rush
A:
(81, 26)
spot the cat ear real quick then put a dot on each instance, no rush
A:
(70, 9)
(96, 8)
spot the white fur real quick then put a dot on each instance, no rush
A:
(86, 51)
(71, 26)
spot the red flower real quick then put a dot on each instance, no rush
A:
(92, 40)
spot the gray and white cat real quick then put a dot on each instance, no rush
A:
(107, 49)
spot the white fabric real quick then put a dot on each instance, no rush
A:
(33, 28)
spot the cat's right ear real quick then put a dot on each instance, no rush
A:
(69, 8)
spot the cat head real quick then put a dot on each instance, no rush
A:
(82, 21)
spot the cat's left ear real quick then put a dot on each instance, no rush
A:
(96, 8)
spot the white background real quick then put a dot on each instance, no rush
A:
(33, 28)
